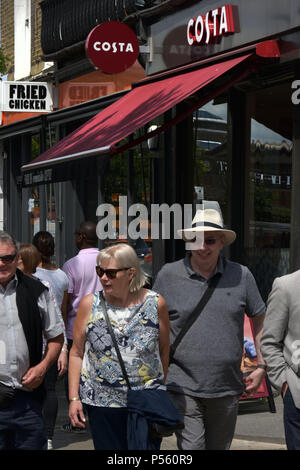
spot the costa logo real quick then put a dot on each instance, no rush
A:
(207, 28)
(112, 47)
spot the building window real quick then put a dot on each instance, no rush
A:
(212, 158)
(268, 185)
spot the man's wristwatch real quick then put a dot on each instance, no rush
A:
(261, 366)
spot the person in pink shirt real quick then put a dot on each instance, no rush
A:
(83, 279)
(80, 270)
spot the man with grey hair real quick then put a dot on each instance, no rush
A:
(204, 378)
(26, 315)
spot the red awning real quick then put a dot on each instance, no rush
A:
(142, 104)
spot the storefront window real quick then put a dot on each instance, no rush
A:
(116, 183)
(268, 186)
(142, 194)
(115, 187)
(42, 194)
(212, 158)
(50, 202)
(34, 199)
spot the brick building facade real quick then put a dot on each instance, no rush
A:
(30, 18)
(7, 32)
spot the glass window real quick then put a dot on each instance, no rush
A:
(142, 194)
(268, 185)
(42, 194)
(212, 158)
(116, 183)
(34, 199)
(50, 202)
(115, 187)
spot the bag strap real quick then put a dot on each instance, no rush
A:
(192, 318)
(111, 331)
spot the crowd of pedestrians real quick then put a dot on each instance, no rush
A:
(96, 318)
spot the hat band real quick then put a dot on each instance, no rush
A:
(206, 224)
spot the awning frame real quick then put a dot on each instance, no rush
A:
(248, 64)
(181, 116)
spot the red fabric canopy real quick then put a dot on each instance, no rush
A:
(142, 104)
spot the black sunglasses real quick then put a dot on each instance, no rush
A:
(7, 259)
(110, 273)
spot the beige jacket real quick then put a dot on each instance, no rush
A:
(280, 343)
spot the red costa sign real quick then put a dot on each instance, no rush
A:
(215, 23)
(112, 47)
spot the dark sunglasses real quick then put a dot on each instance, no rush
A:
(7, 259)
(207, 241)
(110, 273)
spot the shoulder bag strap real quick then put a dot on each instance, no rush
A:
(114, 340)
(192, 318)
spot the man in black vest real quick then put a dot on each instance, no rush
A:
(27, 314)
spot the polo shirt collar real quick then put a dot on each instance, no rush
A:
(190, 272)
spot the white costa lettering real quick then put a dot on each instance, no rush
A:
(223, 22)
(214, 14)
(207, 25)
(199, 29)
(215, 23)
(113, 47)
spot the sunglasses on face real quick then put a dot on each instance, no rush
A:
(110, 273)
(207, 241)
(7, 259)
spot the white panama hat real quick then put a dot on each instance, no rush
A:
(208, 220)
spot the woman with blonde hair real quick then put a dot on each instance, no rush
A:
(140, 322)
(29, 259)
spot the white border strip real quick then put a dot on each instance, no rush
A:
(73, 156)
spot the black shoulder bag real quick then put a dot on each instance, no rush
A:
(195, 314)
(155, 429)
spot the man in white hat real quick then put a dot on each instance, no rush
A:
(204, 378)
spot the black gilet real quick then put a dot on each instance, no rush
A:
(28, 291)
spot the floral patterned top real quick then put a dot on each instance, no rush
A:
(137, 333)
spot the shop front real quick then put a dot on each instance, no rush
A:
(243, 141)
(214, 119)
(57, 204)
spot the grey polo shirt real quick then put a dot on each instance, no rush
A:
(14, 354)
(208, 359)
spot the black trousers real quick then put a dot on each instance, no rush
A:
(50, 403)
(291, 416)
(22, 425)
(108, 427)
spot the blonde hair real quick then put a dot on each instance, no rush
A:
(30, 256)
(126, 257)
